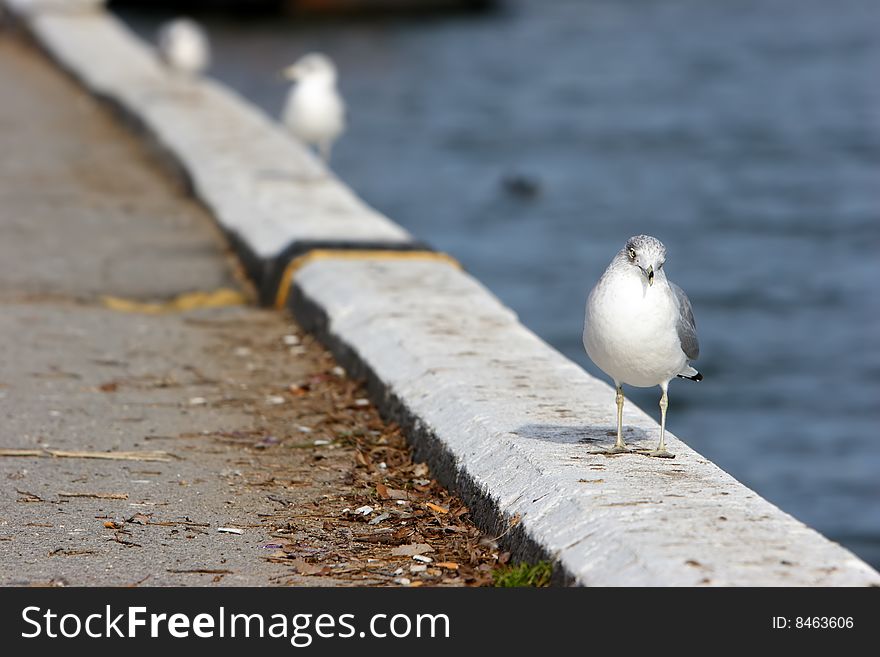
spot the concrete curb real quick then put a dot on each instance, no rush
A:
(513, 424)
(502, 417)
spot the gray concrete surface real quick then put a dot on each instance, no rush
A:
(87, 379)
(94, 187)
(82, 214)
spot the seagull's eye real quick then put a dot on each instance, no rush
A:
(632, 254)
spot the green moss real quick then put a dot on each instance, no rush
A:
(523, 574)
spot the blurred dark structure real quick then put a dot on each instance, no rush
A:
(521, 185)
(314, 7)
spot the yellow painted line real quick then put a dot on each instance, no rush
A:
(351, 254)
(187, 301)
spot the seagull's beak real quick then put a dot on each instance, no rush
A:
(290, 73)
(650, 274)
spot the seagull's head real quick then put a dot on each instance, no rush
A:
(647, 253)
(313, 66)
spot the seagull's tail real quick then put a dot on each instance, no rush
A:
(691, 373)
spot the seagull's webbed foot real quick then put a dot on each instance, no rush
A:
(301, 178)
(660, 453)
(311, 178)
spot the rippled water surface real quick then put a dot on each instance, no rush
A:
(745, 134)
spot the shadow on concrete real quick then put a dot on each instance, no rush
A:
(602, 436)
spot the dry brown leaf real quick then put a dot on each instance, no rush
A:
(411, 550)
(382, 491)
(449, 565)
(303, 567)
(140, 518)
(28, 497)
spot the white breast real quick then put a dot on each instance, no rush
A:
(314, 112)
(629, 329)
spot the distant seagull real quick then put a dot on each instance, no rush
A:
(314, 111)
(639, 327)
(184, 48)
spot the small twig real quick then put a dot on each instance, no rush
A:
(113, 456)
(139, 582)
(122, 541)
(29, 497)
(69, 553)
(99, 496)
(513, 523)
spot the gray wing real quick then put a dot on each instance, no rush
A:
(685, 325)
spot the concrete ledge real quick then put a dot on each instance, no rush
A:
(512, 421)
(500, 415)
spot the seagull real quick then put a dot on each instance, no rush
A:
(183, 45)
(314, 111)
(639, 328)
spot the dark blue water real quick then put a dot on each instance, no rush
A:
(743, 133)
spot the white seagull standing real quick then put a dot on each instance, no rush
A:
(314, 111)
(639, 328)
(183, 45)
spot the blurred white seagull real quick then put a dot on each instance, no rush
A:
(183, 46)
(639, 328)
(314, 111)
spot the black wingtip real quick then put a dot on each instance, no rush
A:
(695, 377)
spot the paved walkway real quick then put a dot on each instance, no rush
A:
(206, 419)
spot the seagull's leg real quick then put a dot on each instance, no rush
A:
(661, 451)
(324, 149)
(619, 446)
